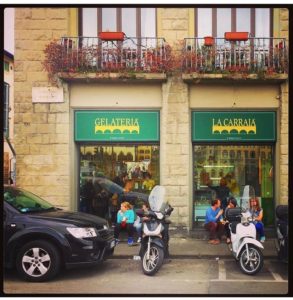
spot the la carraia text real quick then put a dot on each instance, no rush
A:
(234, 122)
(117, 122)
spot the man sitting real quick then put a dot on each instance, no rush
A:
(213, 222)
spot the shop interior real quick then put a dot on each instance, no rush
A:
(239, 165)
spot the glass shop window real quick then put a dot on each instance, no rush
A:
(251, 167)
(134, 168)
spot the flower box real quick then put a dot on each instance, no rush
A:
(236, 36)
(208, 41)
(111, 36)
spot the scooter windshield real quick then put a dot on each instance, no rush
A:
(157, 198)
(247, 193)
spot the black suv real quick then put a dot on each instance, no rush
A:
(39, 238)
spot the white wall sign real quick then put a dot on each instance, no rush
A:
(47, 94)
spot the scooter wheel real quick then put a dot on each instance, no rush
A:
(251, 262)
(152, 265)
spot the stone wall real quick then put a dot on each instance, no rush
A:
(284, 23)
(41, 129)
(175, 137)
(175, 140)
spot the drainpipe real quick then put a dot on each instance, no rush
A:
(12, 172)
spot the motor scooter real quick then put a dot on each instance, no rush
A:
(244, 246)
(155, 237)
(282, 232)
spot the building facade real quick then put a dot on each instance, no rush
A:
(214, 106)
(8, 107)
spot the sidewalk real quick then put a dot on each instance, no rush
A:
(188, 247)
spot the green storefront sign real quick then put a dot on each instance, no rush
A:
(117, 126)
(233, 126)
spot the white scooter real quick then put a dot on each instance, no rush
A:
(244, 246)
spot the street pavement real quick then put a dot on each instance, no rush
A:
(194, 268)
(191, 276)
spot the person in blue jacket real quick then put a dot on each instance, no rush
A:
(213, 222)
(125, 220)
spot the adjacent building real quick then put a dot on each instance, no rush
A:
(8, 119)
(188, 94)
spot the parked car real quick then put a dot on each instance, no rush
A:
(40, 239)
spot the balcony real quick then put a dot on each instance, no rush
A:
(94, 58)
(218, 58)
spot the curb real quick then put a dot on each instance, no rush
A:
(190, 256)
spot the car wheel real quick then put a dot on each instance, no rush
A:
(38, 261)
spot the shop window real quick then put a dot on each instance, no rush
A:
(6, 66)
(232, 154)
(246, 154)
(112, 161)
(238, 154)
(216, 21)
(134, 22)
(238, 170)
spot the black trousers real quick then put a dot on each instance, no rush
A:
(129, 228)
(227, 230)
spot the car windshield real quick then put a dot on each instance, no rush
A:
(25, 201)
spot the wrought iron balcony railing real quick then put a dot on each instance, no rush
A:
(218, 55)
(88, 54)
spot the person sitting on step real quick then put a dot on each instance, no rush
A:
(125, 220)
(213, 222)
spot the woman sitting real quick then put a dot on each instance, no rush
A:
(257, 213)
(125, 220)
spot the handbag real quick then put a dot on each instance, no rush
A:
(123, 224)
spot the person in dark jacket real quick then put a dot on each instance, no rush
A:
(231, 204)
(87, 193)
(222, 192)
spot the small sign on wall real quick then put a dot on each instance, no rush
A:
(47, 95)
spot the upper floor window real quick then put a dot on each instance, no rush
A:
(216, 21)
(6, 66)
(6, 109)
(134, 22)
